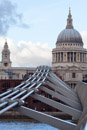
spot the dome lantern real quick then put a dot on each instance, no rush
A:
(69, 20)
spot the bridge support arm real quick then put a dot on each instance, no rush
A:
(62, 91)
(67, 109)
(56, 122)
(62, 98)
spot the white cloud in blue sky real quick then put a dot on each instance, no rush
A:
(9, 16)
(28, 54)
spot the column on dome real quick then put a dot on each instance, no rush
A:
(65, 56)
(85, 57)
(73, 57)
(78, 57)
(60, 56)
(82, 57)
(57, 57)
(54, 57)
(69, 56)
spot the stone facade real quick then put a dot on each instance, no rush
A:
(69, 58)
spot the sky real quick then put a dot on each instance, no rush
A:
(31, 28)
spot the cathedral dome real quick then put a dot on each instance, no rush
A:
(69, 34)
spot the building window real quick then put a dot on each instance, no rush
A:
(85, 78)
(73, 75)
(10, 77)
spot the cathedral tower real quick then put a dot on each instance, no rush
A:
(6, 62)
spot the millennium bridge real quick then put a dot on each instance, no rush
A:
(74, 102)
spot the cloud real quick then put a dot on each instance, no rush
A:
(9, 16)
(84, 37)
(28, 54)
